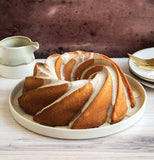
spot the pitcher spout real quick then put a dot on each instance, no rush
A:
(35, 46)
(1, 51)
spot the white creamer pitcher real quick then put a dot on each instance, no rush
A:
(17, 57)
(17, 50)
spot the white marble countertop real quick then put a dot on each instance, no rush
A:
(16, 142)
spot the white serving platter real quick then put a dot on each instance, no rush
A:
(144, 74)
(65, 133)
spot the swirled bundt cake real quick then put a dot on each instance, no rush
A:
(77, 89)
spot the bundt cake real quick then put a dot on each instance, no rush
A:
(77, 89)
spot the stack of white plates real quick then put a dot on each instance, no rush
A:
(146, 77)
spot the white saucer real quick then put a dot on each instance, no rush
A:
(19, 71)
(58, 132)
(140, 72)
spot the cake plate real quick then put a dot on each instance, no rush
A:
(65, 133)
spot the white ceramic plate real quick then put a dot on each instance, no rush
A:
(145, 83)
(140, 72)
(26, 120)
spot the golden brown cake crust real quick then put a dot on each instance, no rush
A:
(96, 113)
(34, 100)
(62, 112)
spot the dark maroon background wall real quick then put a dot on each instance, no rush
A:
(113, 27)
